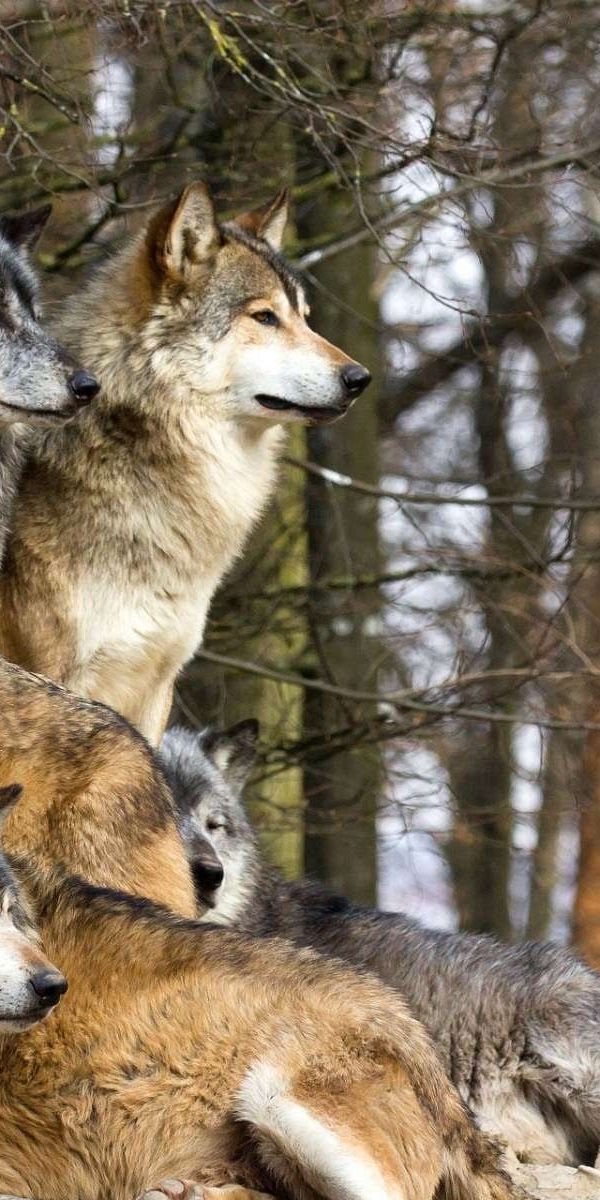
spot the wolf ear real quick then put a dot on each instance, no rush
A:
(25, 228)
(8, 798)
(269, 221)
(184, 234)
(233, 751)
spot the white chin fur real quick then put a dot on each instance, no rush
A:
(22, 1024)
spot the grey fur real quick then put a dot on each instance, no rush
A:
(518, 1027)
(34, 368)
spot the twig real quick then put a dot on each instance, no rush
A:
(494, 178)
(403, 699)
(368, 489)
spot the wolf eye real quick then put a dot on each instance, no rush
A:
(266, 316)
(212, 825)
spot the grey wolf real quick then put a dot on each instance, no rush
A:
(518, 1027)
(126, 522)
(183, 1051)
(38, 380)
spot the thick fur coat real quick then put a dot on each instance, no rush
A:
(126, 523)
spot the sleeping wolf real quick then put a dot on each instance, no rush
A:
(38, 381)
(518, 1027)
(198, 334)
(184, 1051)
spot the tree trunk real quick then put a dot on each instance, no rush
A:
(343, 538)
(587, 598)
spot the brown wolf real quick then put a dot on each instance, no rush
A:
(186, 1051)
(126, 523)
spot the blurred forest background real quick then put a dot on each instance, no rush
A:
(417, 621)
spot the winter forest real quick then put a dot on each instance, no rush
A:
(416, 622)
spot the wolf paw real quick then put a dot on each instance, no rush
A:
(176, 1189)
(187, 1189)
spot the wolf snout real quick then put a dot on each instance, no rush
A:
(211, 876)
(83, 386)
(355, 378)
(48, 987)
(208, 872)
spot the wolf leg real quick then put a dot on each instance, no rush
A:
(141, 692)
(365, 1139)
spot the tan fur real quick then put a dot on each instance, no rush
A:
(127, 521)
(184, 1051)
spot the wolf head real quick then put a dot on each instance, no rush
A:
(207, 772)
(38, 381)
(30, 987)
(228, 317)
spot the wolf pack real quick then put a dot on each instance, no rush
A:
(177, 1021)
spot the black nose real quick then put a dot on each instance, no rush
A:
(210, 875)
(355, 379)
(83, 386)
(49, 986)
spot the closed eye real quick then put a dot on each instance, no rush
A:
(212, 826)
(266, 316)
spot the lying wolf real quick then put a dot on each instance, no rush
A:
(30, 987)
(38, 381)
(518, 1027)
(126, 523)
(186, 1051)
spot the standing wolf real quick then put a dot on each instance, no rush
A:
(518, 1027)
(126, 524)
(38, 382)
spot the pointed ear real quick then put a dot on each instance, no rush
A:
(184, 234)
(233, 751)
(8, 798)
(25, 228)
(268, 222)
